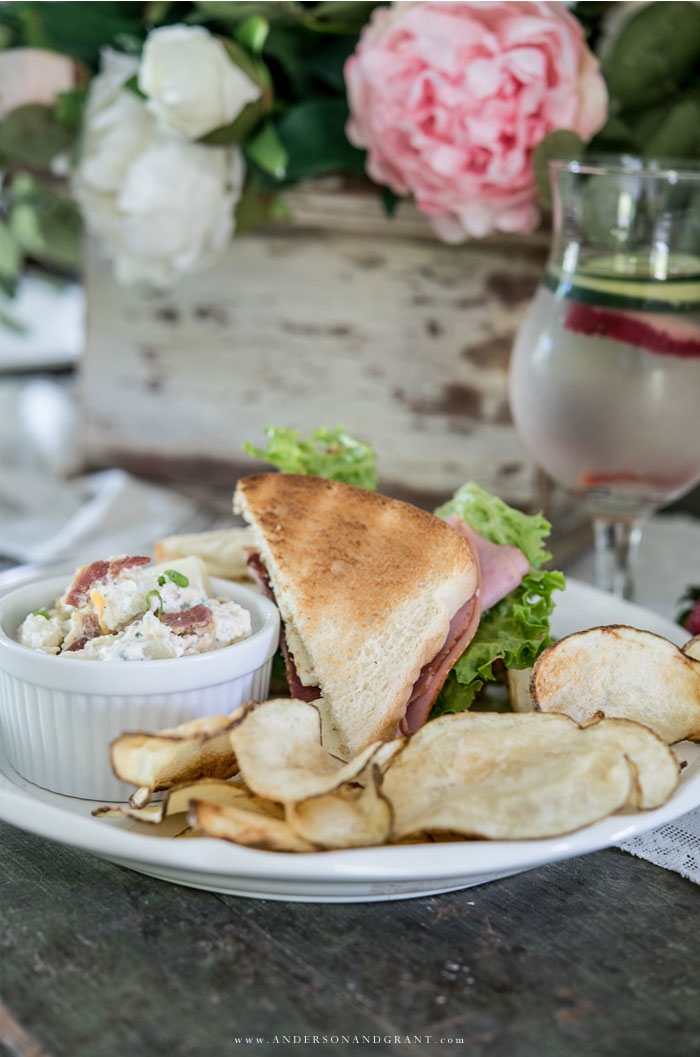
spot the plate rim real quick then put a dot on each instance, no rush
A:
(24, 805)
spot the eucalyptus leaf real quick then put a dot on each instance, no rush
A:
(563, 143)
(44, 224)
(654, 53)
(32, 135)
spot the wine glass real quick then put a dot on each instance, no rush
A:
(605, 374)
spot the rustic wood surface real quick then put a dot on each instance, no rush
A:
(594, 957)
(345, 317)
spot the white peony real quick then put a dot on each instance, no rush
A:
(163, 206)
(192, 85)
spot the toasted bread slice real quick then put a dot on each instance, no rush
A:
(366, 587)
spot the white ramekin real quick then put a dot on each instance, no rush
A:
(59, 714)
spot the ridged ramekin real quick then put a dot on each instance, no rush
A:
(58, 714)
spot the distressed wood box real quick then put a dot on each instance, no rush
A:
(341, 317)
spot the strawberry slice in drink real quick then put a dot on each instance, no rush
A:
(666, 335)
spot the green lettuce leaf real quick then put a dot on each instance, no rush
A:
(331, 453)
(516, 630)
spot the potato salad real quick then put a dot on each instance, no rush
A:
(129, 609)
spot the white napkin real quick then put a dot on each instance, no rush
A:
(43, 519)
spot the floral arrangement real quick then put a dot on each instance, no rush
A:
(173, 125)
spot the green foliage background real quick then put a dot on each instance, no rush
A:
(296, 52)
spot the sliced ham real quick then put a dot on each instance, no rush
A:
(500, 568)
(503, 566)
(188, 619)
(97, 573)
(432, 677)
(296, 687)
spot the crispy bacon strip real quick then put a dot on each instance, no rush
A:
(90, 630)
(181, 623)
(97, 573)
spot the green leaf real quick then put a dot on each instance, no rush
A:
(500, 523)
(390, 200)
(81, 29)
(678, 136)
(252, 33)
(654, 54)
(236, 12)
(563, 143)
(616, 136)
(516, 629)
(327, 61)
(259, 207)
(333, 454)
(313, 134)
(10, 256)
(69, 108)
(31, 135)
(338, 16)
(157, 11)
(45, 225)
(267, 150)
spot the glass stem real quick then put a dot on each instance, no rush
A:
(616, 546)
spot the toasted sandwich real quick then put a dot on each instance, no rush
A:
(378, 599)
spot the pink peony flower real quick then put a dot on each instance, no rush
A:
(450, 99)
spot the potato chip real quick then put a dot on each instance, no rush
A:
(245, 823)
(692, 648)
(518, 682)
(197, 749)
(349, 818)
(622, 672)
(176, 799)
(504, 777)
(279, 752)
(656, 768)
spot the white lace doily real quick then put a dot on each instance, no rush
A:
(675, 846)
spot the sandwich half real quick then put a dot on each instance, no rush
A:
(377, 597)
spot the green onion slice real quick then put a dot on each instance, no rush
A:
(41, 613)
(159, 608)
(177, 578)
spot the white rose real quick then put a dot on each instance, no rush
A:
(163, 206)
(192, 85)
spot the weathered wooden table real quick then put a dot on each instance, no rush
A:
(594, 957)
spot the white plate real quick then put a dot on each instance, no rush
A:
(363, 874)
